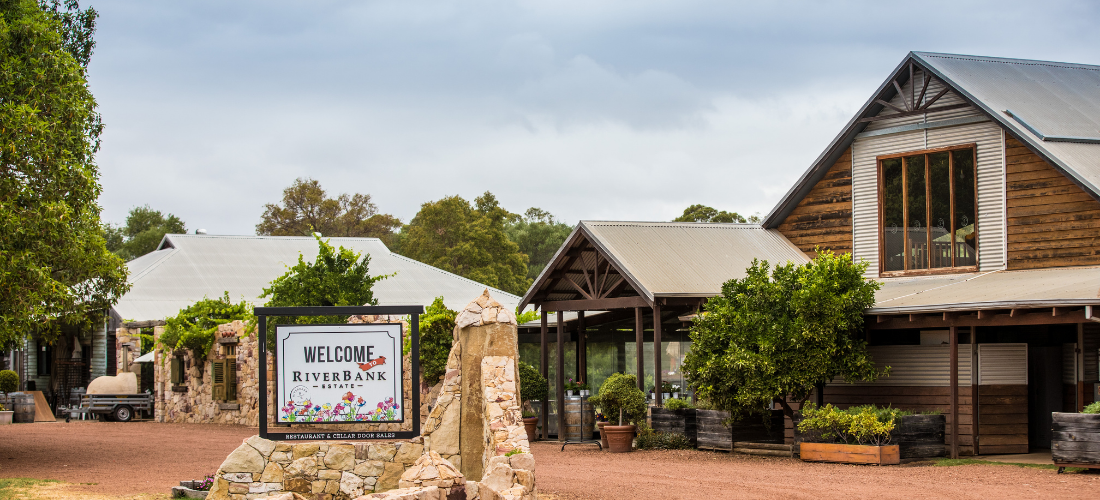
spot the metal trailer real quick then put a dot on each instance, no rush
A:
(118, 407)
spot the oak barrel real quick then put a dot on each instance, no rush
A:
(580, 419)
(23, 406)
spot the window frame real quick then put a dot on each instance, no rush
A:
(973, 147)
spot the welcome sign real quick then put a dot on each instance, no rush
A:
(340, 373)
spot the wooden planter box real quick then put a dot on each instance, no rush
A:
(710, 432)
(920, 436)
(676, 421)
(850, 453)
(1076, 439)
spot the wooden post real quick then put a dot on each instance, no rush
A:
(544, 367)
(657, 353)
(954, 392)
(975, 401)
(561, 376)
(638, 341)
(582, 350)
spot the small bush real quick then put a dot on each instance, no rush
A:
(9, 381)
(678, 404)
(437, 326)
(649, 439)
(619, 397)
(857, 425)
(1092, 408)
(532, 385)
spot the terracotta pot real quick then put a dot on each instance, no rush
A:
(531, 424)
(603, 435)
(620, 438)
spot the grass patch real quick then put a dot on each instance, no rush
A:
(951, 462)
(17, 488)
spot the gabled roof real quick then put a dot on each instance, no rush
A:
(667, 259)
(185, 268)
(1052, 107)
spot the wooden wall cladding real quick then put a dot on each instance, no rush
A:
(1051, 221)
(823, 218)
(1002, 419)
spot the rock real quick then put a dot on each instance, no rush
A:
(524, 461)
(351, 485)
(370, 468)
(298, 484)
(499, 478)
(305, 450)
(238, 477)
(445, 439)
(329, 474)
(340, 456)
(238, 488)
(272, 473)
(408, 453)
(389, 479)
(382, 451)
(332, 487)
(243, 459)
(467, 318)
(284, 496)
(219, 490)
(264, 446)
(303, 467)
(526, 478)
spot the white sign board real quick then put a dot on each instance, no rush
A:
(339, 373)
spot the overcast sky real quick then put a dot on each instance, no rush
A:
(621, 110)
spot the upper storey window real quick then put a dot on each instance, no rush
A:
(929, 214)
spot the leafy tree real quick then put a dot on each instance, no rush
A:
(781, 332)
(196, 325)
(336, 278)
(144, 230)
(307, 209)
(467, 240)
(539, 236)
(55, 268)
(703, 213)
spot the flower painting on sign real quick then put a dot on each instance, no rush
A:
(339, 373)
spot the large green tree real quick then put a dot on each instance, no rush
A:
(468, 240)
(306, 208)
(703, 213)
(142, 233)
(538, 235)
(54, 265)
(778, 333)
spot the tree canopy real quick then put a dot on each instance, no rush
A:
(538, 235)
(56, 268)
(306, 209)
(468, 240)
(142, 232)
(781, 332)
(703, 213)
(335, 278)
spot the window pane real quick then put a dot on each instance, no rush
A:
(939, 182)
(966, 243)
(917, 252)
(893, 235)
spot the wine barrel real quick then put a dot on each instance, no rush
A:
(23, 406)
(580, 419)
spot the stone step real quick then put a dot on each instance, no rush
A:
(763, 452)
(762, 446)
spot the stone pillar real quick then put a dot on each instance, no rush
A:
(485, 328)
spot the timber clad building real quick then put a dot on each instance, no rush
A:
(971, 187)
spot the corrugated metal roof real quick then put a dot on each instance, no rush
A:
(1063, 286)
(188, 267)
(1058, 99)
(688, 259)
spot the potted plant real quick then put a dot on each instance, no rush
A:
(666, 390)
(582, 388)
(5, 415)
(619, 395)
(1076, 437)
(858, 435)
(570, 388)
(533, 387)
(601, 422)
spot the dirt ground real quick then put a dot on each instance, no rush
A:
(110, 460)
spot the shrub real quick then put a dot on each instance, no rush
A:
(1092, 408)
(678, 404)
(532, 385)
(620, 398)
(649, 439)
(437, 326)
(9, 381)
(856, 425)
